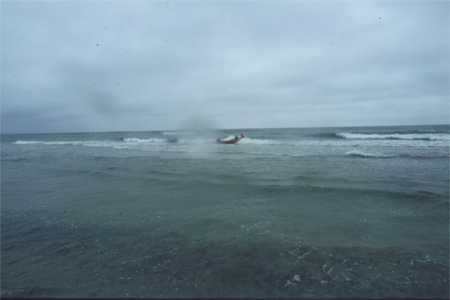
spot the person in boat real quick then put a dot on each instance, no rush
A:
(231, 141)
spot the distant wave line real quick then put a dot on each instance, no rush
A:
(364, 154)
(394, 136)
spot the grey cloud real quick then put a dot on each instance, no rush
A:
(153, 65)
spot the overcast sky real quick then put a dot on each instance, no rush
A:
(149, 65)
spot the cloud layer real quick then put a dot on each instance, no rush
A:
(145, 65)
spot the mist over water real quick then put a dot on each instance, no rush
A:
(320, 212)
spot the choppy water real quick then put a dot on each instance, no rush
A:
(286, 212)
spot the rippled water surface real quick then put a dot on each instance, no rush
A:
(286, 212)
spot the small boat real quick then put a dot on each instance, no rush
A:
(231, 139)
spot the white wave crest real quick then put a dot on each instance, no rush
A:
(248, 140)
(125, 143)
(70, 143)
(395, 136)
(358, 153)
(138, 140)
(19, 142)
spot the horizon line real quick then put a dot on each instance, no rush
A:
(237, 128)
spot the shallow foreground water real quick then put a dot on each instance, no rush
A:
(287, 212)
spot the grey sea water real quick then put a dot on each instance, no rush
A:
(318, 212)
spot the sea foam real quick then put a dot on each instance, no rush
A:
(248, 140)
(139, 140)
(395, 136)
(359, 153)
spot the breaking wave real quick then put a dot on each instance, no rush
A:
(358, 153)
(363, 154)
(248, 140)
(394, 136)
(112, 144)
(138, 140)
(122, 144)
(19, 142)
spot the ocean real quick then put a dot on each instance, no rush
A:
(296, 212)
